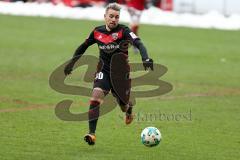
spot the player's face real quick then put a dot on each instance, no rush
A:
(111, 18)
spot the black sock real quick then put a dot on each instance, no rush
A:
(93, 115)
(129, 111)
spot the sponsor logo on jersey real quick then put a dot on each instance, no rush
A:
(109, 48)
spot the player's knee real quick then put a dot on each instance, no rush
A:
(97, 95)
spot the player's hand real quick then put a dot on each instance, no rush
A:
(148, 63)
(68, 69)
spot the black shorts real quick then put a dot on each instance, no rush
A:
(119, 85)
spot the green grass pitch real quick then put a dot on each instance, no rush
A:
(203, 66)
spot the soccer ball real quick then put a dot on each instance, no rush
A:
(151, 136)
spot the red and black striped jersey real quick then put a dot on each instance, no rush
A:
(111, 42)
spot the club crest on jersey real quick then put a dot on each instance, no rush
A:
(115, 36)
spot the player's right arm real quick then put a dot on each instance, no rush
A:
(79, 52)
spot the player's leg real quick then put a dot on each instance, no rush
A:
(93, 114)
(121, 85)
(127, 108)
(129, 114)
(100, 89)
(123, 100)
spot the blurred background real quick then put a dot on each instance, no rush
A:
(225, 7)
(219, 14)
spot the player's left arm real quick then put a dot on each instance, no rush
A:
(147, 62)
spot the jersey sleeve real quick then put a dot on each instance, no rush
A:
(83, 47)
(129, 35)
(135, 40)
(90, 40)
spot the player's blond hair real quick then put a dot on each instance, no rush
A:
(113, 6)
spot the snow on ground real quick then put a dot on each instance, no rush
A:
(151, 16)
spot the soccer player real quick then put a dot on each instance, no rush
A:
(109, 38)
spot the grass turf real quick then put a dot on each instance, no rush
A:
(203, 66)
